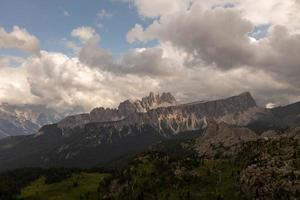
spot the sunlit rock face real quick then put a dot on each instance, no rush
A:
(164, 114)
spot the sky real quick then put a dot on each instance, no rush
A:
(76, 54)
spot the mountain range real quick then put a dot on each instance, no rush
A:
(104, 136)
(25, 119)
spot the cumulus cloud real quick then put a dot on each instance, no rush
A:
(14, 87)
(143, 61)
(137, 34)
(274, 12)
(10, 61)
(96, 57)
(20, 39)
(216, 34)
(84, 33)
(156, 8)
(149, 62)
(65, 83)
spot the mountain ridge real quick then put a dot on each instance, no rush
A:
(25, 119)
(99, 142)
(129, 112)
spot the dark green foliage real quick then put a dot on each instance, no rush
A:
(12, 182)
(172, 170)
(154, 175)
(54, 175)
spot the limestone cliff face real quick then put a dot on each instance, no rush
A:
(167, 117)
(125, 109)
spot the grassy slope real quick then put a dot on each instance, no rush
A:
(76, 187)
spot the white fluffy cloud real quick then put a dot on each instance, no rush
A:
(20, 39)
(14, 87)
(274, 12)
(84, 33)
(65, 83)
(156, 8)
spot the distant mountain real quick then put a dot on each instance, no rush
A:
(103, 135)
(125, 109)
(278, 118)
(167, 117)
(25, 119)
(289, 115)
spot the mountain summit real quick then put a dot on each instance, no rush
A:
(125, 109)
(147, 103)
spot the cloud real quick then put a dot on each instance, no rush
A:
(65, 82)
(10, 61)
(278, 53)
(84, 33)
(103, 14)
(148, 62)
(66, 13)
(137, 34)
(274, 12)
(96, 57)
(271, 105)
(14, 86)
(218, 36)
(156, 8)
(19, 39)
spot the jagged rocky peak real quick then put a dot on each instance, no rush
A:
(156, 99)
(125, 109)
(147, 103)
